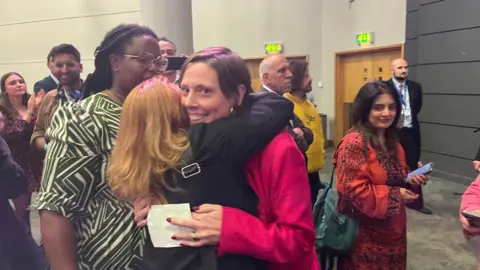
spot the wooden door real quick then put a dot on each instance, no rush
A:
(382, 62)
(253, 65)
(353, 70)
(253, 68)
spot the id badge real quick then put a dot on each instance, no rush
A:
(406, 112)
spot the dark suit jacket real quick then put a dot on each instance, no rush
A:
(18, 250)
(303, 142)
(416, 101)
(47, 84)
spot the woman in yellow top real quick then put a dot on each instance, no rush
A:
(306, 111)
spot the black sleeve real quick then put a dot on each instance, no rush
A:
(420, 98)
(12, 180)
(238, 137)
(37, 86)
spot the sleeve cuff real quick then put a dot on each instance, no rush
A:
(55, 203)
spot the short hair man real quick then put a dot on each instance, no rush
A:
(67, 68)
(277, 78)
(410, 93)
(168, 49)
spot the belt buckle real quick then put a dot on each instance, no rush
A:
(191, 170)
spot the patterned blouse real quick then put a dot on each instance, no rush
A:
(82, 136)
(369, 191)
(17, 134)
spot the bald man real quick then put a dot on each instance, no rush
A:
(410, 93)
(277, 78)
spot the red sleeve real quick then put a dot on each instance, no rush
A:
(354, 182)
(471, 197)
(290, 234)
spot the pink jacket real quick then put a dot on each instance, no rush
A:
(284, 234)
(471, 199)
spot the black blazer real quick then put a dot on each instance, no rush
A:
(416, 101)
(47, 84)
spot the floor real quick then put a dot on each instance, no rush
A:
(434, 241)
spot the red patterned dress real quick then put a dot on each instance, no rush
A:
(17, 134)
(369, 191)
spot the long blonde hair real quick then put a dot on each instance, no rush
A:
(151, 140)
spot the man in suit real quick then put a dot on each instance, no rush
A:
(408, 127)
(277, 78)
(51, 81)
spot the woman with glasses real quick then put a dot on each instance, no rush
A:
(83, 225)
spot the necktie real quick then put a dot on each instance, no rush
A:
(400, 90)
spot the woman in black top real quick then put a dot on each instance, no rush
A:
(212, 170)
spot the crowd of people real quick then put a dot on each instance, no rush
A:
(102, 151)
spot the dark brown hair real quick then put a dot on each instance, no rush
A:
(361, 110)
(298, 69)
(5, 101)
(64, 49)
(231, 69)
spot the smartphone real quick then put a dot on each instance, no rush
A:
(425, 169)
(175, 62)
(473, 218)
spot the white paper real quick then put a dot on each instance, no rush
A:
(161, 231)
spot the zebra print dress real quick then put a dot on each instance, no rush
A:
(82, 136)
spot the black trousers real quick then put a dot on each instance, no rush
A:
(315, 185)
(412, 154)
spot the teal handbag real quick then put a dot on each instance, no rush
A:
(335, 232)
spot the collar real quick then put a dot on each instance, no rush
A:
(54, 79)
(268, 89)
(294, 98)
(397, 83)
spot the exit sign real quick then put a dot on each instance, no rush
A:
(273, 47)
(365, 38)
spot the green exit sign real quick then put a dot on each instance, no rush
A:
(273, 48)
(365, 38)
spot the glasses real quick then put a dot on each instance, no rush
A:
(147, 60)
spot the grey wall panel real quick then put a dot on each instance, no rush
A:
(411, 51)
(426, 2)
(457, 46)
(412, 5)
(448, 140)
(450, 164)
(412, 25)
(413, 72)
(451, 110)
(449, 78)
(448, 15)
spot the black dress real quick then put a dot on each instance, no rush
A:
(214, 174)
